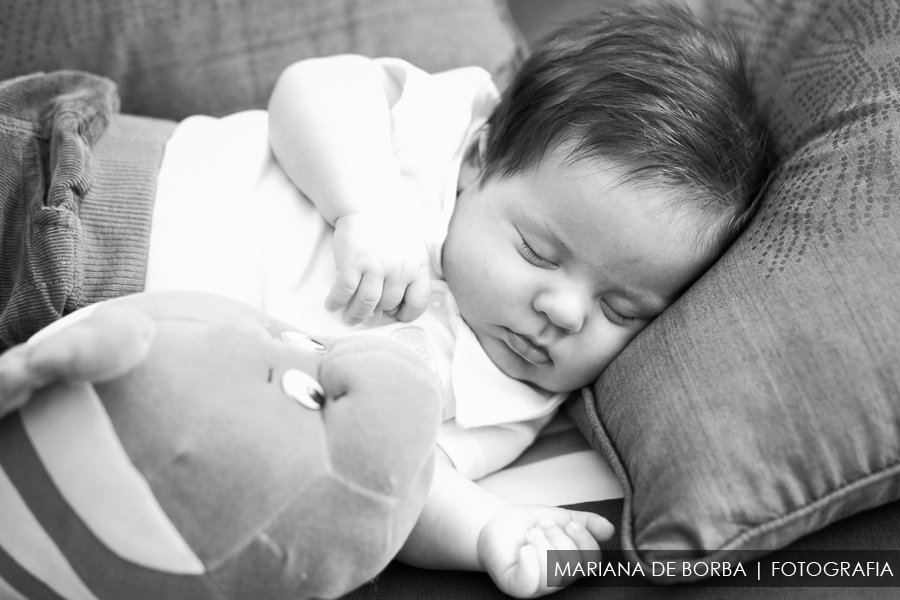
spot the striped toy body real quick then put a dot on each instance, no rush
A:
(200, 474)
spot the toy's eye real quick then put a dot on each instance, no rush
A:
(303, 388)
(304, 341)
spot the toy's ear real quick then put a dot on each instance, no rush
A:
(96, 344)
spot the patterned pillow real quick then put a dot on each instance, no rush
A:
(766, 403)
(172, 58)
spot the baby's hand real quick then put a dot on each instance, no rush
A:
(514, 543)
(382, 266)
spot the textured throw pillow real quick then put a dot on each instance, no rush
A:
(174, 58)
(765, 403)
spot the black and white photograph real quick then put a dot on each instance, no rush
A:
(449, 299)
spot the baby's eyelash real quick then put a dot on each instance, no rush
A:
(533, 257)
(615, 316)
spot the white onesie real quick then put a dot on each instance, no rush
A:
(227, 220)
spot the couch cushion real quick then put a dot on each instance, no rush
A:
(765, 403)
(69, 163)
(172, 58)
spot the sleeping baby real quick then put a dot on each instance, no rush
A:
(516, 242)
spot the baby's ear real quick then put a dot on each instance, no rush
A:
(481, 137)
(473, 161)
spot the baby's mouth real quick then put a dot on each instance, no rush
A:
(524, 347)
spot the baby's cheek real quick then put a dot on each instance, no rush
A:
(464, 283)
(620, 340)
(599, 350)
(589, 373)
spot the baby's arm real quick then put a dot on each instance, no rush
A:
(462, 526)
(330, 130)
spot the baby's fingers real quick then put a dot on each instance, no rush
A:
(416, 299)
(366, 299)
(588, 549)
(561, 540)
(599, 528)
(345, 285)
(572, 543)
(523, 578)
(581, 538)
(392, 296)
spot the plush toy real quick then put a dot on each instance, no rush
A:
(184, 446)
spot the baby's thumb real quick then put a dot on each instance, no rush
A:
(598, 527)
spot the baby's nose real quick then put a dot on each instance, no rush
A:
(564, 308)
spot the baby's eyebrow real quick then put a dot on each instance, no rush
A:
(650, 304)
(554, 237)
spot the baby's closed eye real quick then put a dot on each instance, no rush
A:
(615, 316)
(533, 257)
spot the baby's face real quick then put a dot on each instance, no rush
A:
(557, 269)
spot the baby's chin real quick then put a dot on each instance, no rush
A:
(550, 386)
(544, 378)
(547, 378)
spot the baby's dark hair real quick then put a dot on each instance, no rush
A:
(652, 91)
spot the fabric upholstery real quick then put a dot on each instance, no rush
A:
(175, 58)
(765, 404)
(76, 197)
